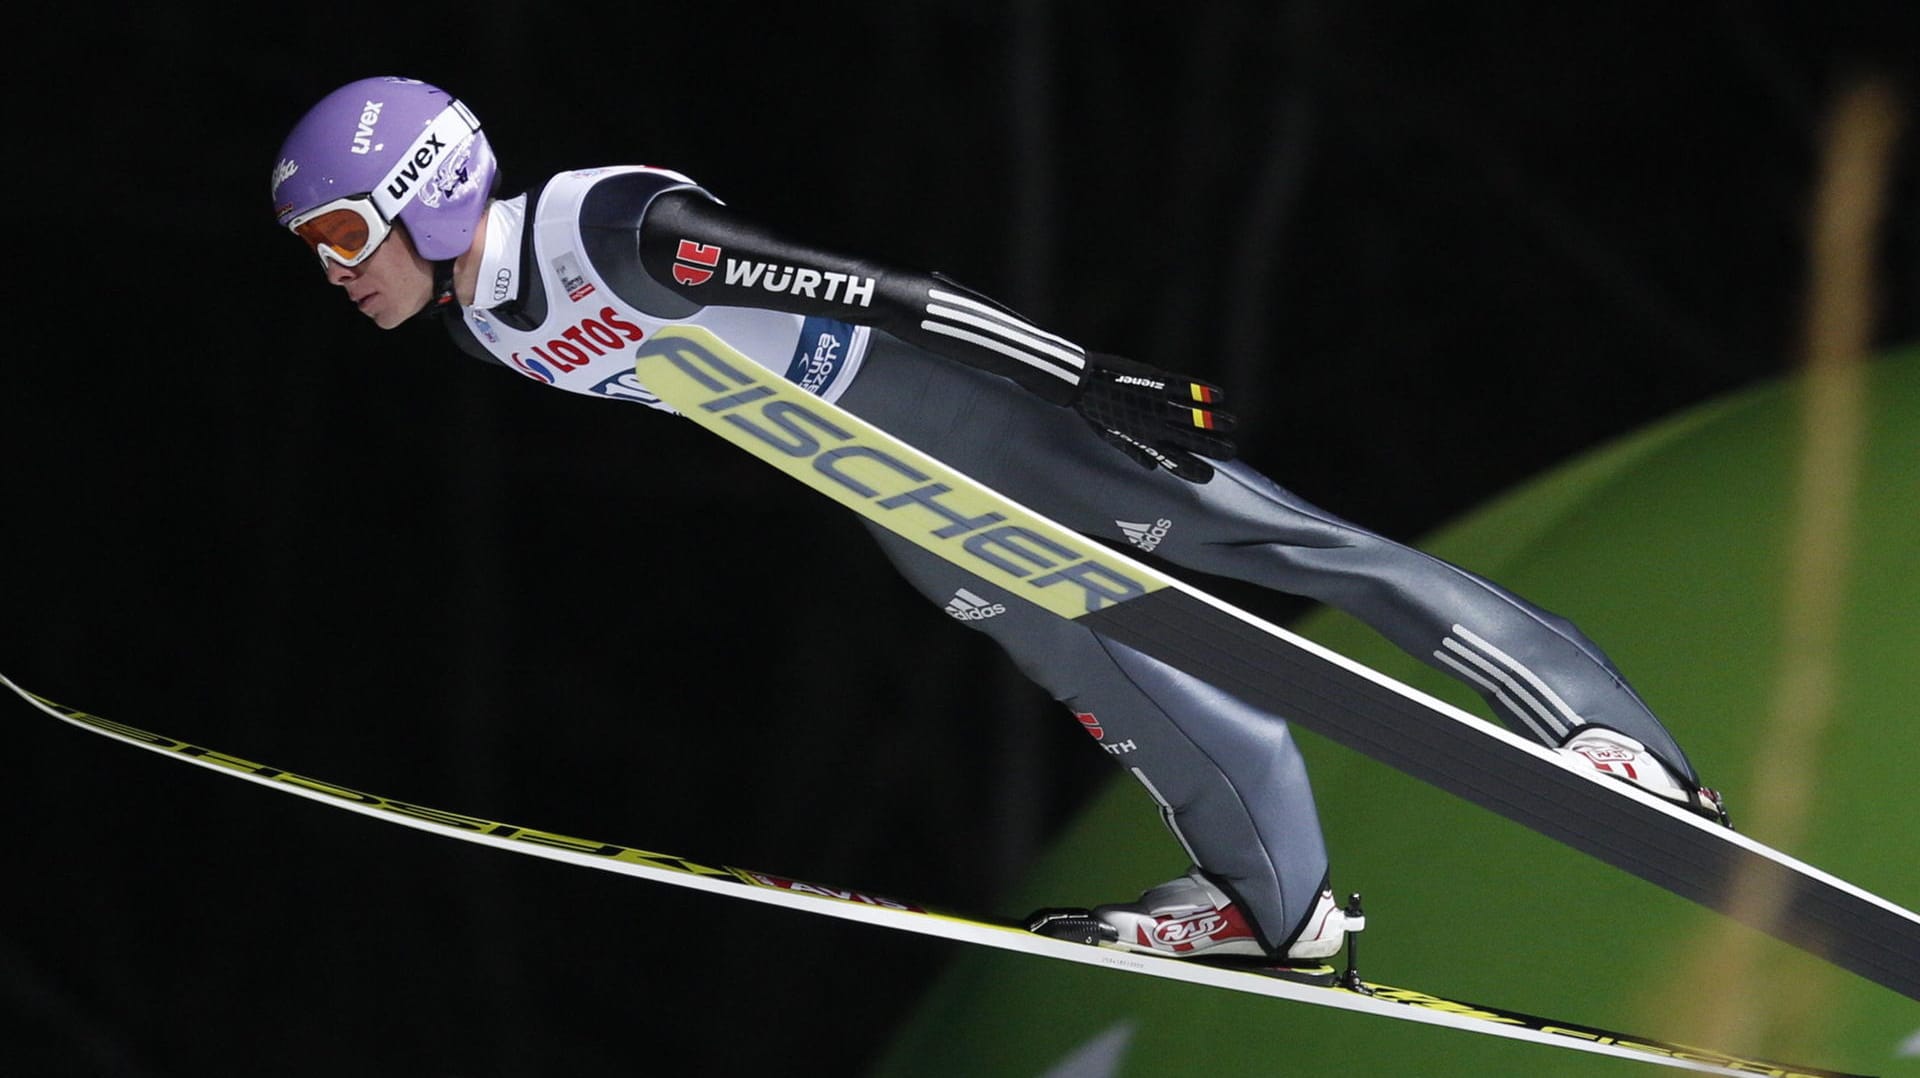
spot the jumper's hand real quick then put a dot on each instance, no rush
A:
(1161, 420)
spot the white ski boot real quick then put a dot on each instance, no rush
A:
(1190, 917)
(1616, 754)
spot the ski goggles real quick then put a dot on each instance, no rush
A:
(345, 231)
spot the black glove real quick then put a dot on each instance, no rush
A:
(1159, 419)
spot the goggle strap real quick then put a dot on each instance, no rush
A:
(441, 137)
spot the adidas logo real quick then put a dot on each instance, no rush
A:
(966, 606)
(1145, 536)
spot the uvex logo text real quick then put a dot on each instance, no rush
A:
(363, 134)
(414, 167)
(908, 493)
(439, 146)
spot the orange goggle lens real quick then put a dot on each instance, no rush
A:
(348, 234)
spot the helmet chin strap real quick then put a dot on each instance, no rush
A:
(443, 301)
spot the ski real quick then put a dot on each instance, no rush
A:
(857, 905)
(947, 513)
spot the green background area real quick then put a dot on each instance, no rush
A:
(1672, 548)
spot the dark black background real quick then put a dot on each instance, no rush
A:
(1431, 249)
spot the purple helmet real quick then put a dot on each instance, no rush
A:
(406, 148)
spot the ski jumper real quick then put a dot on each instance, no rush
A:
(575, 273)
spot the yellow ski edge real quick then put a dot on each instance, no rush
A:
(872, 908)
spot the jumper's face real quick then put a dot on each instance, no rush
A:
(392, 285)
